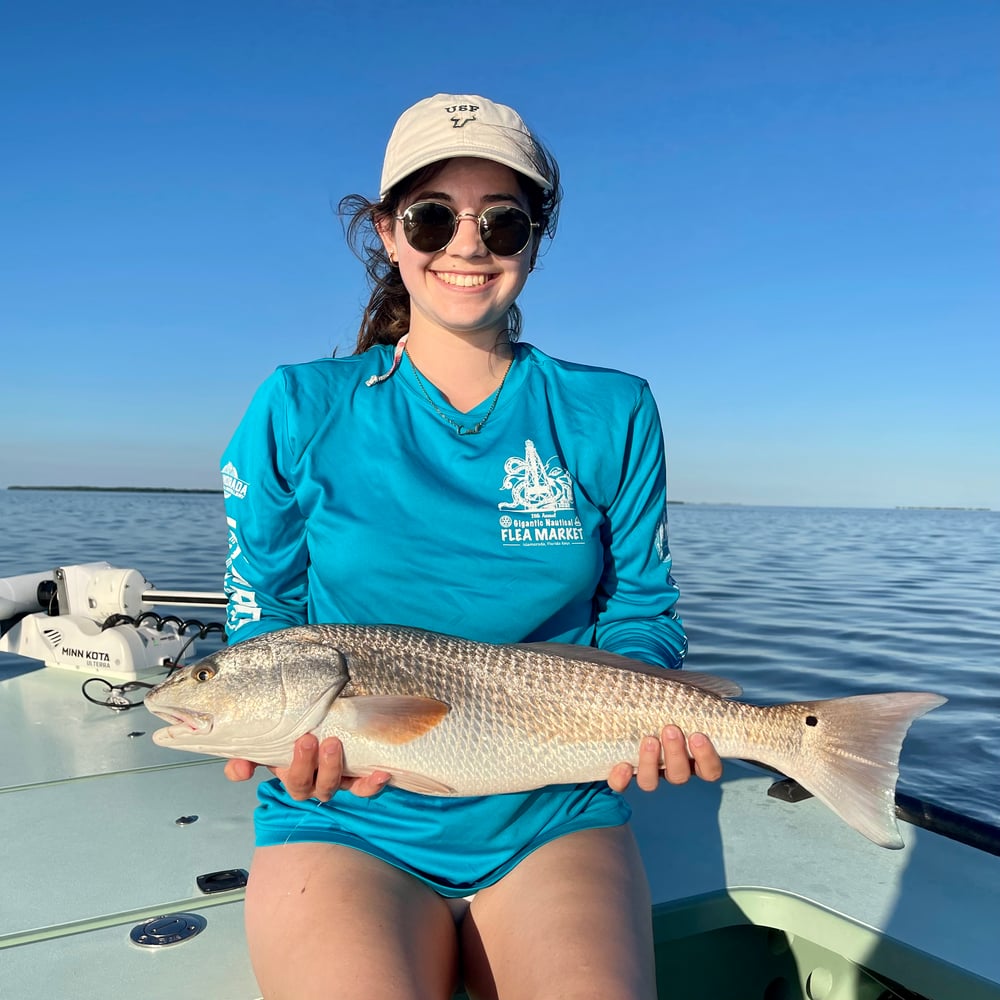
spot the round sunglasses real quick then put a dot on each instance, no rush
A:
(430, 226)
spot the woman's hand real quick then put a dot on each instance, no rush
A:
(677, 765)
(316, 771)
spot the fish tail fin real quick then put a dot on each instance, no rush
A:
(850, 756)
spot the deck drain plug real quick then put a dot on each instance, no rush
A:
(169, 929)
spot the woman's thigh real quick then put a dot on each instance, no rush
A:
(325, 921)
(572, 920)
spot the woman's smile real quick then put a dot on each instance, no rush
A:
(460, 279)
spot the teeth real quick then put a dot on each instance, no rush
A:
(464, 280)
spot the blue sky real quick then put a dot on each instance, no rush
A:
(784, 213)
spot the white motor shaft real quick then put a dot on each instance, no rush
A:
(19, 594)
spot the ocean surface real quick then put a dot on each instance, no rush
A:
(791, 602)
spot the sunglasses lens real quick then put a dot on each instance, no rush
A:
(505, 230)
(428, 226)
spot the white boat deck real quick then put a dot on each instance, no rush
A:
(909, 914)
(91, 848)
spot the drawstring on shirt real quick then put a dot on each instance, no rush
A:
(397, 355)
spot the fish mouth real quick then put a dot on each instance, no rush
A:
(183, 723)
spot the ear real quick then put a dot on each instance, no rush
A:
(384, 226)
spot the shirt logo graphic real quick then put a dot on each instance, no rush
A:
(232, 485)
(243, 606)
(541, 509)
(536, 487)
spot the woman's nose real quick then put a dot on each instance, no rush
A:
(467, 241)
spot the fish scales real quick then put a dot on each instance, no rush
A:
(449, 716)
(547, 702)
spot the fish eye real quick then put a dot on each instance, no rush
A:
(203, 674)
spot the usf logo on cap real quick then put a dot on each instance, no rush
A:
(468, 109)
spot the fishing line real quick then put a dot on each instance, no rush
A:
(116, 698)
(314, 804)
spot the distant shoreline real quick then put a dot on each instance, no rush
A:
(987, 509)
(115, 489)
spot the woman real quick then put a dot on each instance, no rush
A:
(449, 477)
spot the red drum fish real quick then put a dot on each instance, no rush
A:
(448, 716)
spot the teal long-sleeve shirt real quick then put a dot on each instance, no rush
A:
(355, 502)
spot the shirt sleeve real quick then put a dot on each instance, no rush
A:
(636, 598)
(268, 560)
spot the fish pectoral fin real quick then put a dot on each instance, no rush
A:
(393, 719)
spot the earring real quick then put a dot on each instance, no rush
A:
(393, 259)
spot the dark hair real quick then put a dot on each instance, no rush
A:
(387, 316)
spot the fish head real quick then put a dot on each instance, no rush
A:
(251, 700)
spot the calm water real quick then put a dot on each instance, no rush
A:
(790, 602)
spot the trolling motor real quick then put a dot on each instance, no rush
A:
(96, 618)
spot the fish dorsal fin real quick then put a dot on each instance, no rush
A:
(392, 719)
(722, 687)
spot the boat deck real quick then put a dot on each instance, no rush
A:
(92, 848)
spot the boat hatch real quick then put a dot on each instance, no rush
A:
(172, 928)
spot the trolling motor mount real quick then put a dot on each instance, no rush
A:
(59, 618)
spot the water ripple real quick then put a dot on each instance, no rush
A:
(799, 603)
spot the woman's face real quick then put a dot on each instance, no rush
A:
(463, 288)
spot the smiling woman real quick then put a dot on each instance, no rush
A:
(424, 139)
(489, 492)
(462, 288)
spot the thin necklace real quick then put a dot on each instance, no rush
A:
(460, 428)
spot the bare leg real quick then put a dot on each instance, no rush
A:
(326, 922)
(571, 921)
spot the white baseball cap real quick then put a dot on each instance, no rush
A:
(447, 125)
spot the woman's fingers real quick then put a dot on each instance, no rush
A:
(239, 770)
(676, 763)
(647, 774)
(368, 785)
(621, 776)
(317, 771)
(329, 771)
(671, 757)
(299, 778)
(707, 762)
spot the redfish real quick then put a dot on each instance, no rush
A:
(447, 716)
